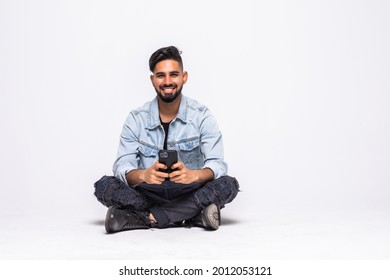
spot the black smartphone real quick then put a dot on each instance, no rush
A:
(167, 157)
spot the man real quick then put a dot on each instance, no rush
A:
(142, 194)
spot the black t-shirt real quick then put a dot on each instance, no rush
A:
(166, 130)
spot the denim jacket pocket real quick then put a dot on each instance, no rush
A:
(147, 150)
(189, 151)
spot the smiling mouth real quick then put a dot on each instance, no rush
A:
(168, 89)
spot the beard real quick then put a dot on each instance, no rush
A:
(168, 98)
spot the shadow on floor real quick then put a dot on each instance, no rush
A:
(97, 222)
(228, 222)
(224, 222)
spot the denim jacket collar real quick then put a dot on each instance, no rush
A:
(154, 114)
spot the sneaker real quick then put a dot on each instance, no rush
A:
(209, 218)
(125, 219)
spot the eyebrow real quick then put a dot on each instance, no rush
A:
(163, 73)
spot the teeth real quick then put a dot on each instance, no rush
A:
(168, 90)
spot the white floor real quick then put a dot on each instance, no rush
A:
(300, 92)
(79, 233)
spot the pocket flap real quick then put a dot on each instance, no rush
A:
(147, 150)
(189, 145)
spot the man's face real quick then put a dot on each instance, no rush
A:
(168, 79)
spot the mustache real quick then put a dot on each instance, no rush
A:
(168, 86)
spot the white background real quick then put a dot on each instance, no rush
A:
(300, 89)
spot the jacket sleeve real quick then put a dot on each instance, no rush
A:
(127, 157)
(212, 145)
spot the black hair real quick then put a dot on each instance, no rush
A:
(163, 54)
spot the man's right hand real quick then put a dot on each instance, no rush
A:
(152, 175)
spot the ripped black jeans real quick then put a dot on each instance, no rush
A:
(111, 191)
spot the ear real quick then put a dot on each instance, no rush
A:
(185, 77)
(151, 78)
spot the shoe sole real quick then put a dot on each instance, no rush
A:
(211, 217)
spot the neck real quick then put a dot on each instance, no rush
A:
(168, 111)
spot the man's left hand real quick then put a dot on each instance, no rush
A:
(183, 175)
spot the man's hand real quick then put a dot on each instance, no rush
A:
(183, 175)
(152, 175)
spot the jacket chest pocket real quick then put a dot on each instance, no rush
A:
(147, 151)
(147, 156)
(189, 151)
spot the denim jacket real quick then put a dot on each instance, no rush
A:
(193, 133)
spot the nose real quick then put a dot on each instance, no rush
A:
(168, 80)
